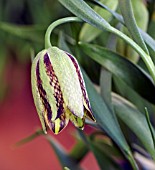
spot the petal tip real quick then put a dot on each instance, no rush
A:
(59, 124)
(45, 132)
(82, 128)
(90, 115)
(79, 115)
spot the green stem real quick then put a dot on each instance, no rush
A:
(30, 138)
(150, 126)
(146, 58)
(79, 151)
(132, 161)
(55, 24)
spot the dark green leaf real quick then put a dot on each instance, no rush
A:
(101, 151)
(79, 151)
(147, 38)
(104, 117)
(127, 12)
(135, 120)
(104, 162)
(105, 84)
(88, 32)
(62, 44)
(107, 120)
(150, 126)
(86, 13)
(64, 158)
(130, 94)
(122, 68)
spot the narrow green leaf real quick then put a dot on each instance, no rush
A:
(135, 120)
(103, 161)
(106, 145)
(105, 84)
(107, 120)
(62, 44)
(34, 33)
(89, 33)
(150, 126)
(124, 90)
(109, 148)
(30, 138)
(123, 48)
(104, 117)
(139, 7)
(101, 151)
(79, 151)
(123, 69)
(106, 76)
(115, 14)
(127, 12)
(64, 158)
(147, 38)
(86, 13)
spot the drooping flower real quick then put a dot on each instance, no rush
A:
(59, 90)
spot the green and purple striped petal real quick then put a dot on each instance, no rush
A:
(86, 102)
(59, 91)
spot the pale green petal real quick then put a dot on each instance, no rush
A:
(36, 96)
(49, 85)
(86, 103)
(68, 80)
(78, 122)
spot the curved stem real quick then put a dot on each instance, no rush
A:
(146, 58)
(132, 161)
(55, 24)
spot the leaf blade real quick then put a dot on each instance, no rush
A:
(65, 159)
(147, 38)
(89, 33)
(117, 64)
(109, 122)
(135, 120)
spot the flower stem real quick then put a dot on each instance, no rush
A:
(146, 58)
(55, 24)
(132, 161)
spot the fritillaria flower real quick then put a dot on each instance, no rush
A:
(59, 90)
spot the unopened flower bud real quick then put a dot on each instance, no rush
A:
(59, 90)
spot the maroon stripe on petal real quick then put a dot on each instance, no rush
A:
(52, 126)
(55, 83)
(82, 84)
(42, 93)
(63, 123)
